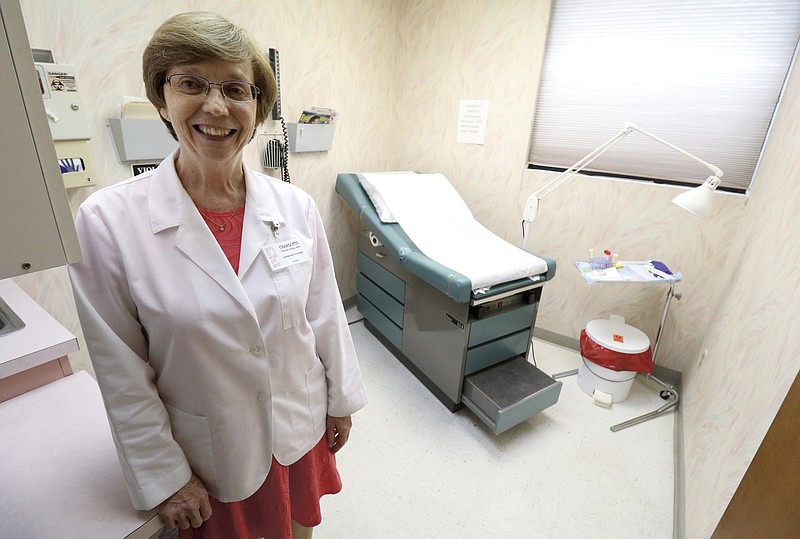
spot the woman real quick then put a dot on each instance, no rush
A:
(208, 299)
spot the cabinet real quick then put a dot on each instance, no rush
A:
(34, 353)
(59, 466)
(60, 475)
(36, 226)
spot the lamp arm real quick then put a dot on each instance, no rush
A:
(582, 163)
(717, 172)
(532, 204)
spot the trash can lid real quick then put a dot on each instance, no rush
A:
(616, 335)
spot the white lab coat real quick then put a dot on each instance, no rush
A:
(202, 370)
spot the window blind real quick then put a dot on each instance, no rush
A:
(704, 75)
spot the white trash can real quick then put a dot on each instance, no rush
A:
(621, 339)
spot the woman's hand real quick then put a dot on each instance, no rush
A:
(337, 431)
(189, 507)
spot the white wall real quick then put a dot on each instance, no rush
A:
(395, 71)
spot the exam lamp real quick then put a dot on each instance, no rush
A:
(696, 201)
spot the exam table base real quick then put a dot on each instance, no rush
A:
(416, 371)
(471, 354)
(502, 396)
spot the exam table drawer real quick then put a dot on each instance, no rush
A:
(490, 353)
(490, 328)
(384, 278)
(376, 295)
(382, 323)
(509, 393)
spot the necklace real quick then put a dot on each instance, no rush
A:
(211, 220)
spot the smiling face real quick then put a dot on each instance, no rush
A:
(212, 130)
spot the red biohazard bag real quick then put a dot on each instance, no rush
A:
(616, 361)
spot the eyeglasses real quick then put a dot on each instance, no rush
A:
(235, 90)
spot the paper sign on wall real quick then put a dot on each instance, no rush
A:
(472, 115)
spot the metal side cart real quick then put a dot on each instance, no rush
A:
(640, 272)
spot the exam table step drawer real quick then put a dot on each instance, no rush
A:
(509, 393)
(376, 295)
(384, 278)
(490, 328)
(490, 353)
(382, 323)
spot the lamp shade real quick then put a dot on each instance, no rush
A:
(698, 200)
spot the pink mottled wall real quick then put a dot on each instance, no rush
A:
(395, 71)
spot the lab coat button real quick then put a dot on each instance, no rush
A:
(256, 350)
(263, 396)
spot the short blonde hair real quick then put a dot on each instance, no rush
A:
(201, 35)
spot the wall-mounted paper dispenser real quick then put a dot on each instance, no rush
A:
(139, 135)
(140, 139)
(310, 137)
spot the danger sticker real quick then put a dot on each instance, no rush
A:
(618, 338)
(62, 82)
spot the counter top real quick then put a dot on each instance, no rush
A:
(60, 476)
(41, 340)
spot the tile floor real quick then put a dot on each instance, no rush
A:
(412, 469)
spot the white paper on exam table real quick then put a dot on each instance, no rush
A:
(435, 217)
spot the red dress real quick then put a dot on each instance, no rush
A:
(289, 492)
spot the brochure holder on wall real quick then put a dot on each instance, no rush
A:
(310, 137)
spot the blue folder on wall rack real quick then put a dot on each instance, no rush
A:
(468, 344)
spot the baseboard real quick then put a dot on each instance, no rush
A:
(679, 514)
(557, 339)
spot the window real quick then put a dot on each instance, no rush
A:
(704, 75)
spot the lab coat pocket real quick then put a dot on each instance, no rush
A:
(317, 387)
(292, 284)
(194, 436)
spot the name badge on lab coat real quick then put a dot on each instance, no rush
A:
(282, 254)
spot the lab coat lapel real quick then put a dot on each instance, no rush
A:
(259, 215)
(171, 206)
(196, 241)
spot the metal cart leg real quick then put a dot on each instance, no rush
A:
(668, 392)
(571, 372)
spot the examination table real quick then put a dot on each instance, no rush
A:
(467, 343)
